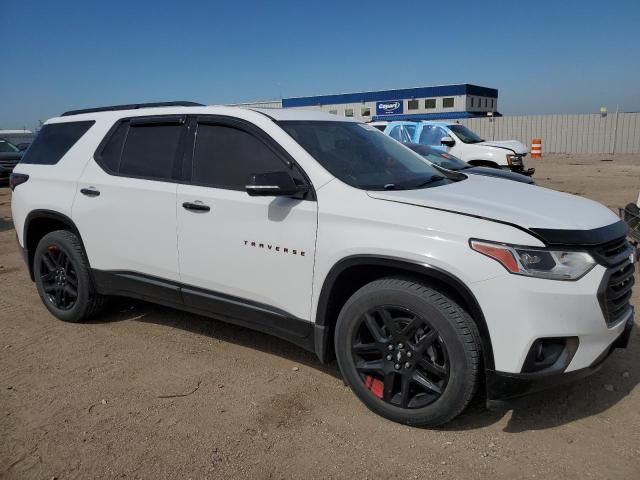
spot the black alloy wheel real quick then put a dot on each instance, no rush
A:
(408, 351)
(58, 278)
(63, 277)
(400, 357)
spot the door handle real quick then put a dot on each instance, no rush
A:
(196, 206)
(90, 192)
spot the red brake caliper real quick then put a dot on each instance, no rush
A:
(374, 385)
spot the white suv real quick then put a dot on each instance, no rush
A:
(328, 233)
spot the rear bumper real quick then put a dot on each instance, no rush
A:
(503, 387)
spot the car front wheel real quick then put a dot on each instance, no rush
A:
(408, 351)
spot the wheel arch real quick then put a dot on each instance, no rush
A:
(351, 273)
(483, 163)
(37, 224)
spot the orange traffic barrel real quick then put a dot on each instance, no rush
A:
(536, 148)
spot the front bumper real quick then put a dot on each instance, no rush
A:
(503, 387)
(519, 310)
(521, 170)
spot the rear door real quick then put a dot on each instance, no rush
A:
(125, 206)
(246, 255)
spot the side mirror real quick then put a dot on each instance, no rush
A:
(448, 141)
(274, 184)
(22, 146)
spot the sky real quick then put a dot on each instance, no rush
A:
(543, 57)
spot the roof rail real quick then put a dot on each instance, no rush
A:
(132, 106)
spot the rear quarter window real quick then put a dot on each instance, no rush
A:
(54, 141)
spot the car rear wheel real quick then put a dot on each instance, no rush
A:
(63, 278)
(408, 351)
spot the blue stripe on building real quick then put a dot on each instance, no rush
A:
(398, 94)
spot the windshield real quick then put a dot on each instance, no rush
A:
(362, 156)
(464, 134)
(442, 159)
(6, 147)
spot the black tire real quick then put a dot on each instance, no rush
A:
(431, 330)
(61, 268)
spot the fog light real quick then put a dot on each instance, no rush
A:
(550, 354)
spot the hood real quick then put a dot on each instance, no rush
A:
(514, 145)
(527, 206)
(499, 173)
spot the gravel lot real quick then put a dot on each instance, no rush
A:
(150, 392)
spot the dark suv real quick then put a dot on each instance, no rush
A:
(10, 155)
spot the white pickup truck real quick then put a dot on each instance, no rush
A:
(461, 142)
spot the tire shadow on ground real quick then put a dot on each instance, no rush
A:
(123, 309)
(591, 396)
(6, 224)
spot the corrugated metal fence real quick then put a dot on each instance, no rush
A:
(579, 133)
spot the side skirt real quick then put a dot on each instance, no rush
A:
(226, 308)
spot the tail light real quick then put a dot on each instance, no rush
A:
(17, 179)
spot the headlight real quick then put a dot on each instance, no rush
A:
(537, 262)
(514, 159)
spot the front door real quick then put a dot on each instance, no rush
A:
(249, 256)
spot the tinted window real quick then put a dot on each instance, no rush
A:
(413, 105)
(447, 102)
(365, 112)
(53, 141)
(7, 147)
(150, 151)
(362, 156)
(226, 157)
(430, 103)
(112, 151)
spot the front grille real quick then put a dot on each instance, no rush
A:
(617, 292)
(612, 253)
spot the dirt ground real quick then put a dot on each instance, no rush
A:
(150, 392)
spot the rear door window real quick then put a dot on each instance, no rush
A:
(54, 141)
(144, 148)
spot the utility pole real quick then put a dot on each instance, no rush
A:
(615, 132)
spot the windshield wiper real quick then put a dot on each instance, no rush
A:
(404, 186)
(432, 179)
